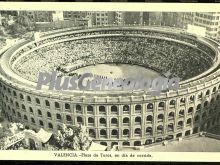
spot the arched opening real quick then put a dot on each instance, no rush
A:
(39, 112)
(58, 116)
(150, 107)
(103, 133)
(67, 106)
(41, 123)
(49, 115)
(181, 113)
(104, 143)
(161, 105)
(32, 120)
(68, 118)
(149, 119)
(47, 103)
(126, 109)
(180, 124)
(114, 144)
(137, 132)
(160, 117)
(187, 133)
(90, 109)
(137, 143)
(126, 121)
(23, 107)
(189, 121)
(149, 131)
(206, 104)
(25, 117)
(79, 120)
(214, 90)
(126, 143)
(90, 121)
(191, 98)
(101, 109)
(190, 110)
(172, 103)
(138, 108)
(179, 135)
(138, 120)
(21, 97)
(159, 129)
(182, 100)
(114, 109)
(57, 105)
(207, 93)
(28, 98)
(102, 121)
(37, 101)
(171, 115)
(78, 108)
(114, 133)
(198, 108)
(114, 121)
(92, 133)
(148, 141)
(170, 127)
(126, 132)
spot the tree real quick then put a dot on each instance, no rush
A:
(76, 138)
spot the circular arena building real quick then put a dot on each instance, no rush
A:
(125, 118)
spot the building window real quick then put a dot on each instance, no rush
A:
(25, 117)
(103, 132)
(114, 132)
(160, 117)
(58, 116)
(68, 118)
(137, 108)
(149, 119)
(28, 98)
(89, 109)
(102, 110)
(47, 103)
(39, 112)
(137, 132)
(91, 120)
(37, 101)
(79, 119)
(114, 109)
(32, 120)
(160, 129)
(48, 114)
(149, 130)
(41, 123)
(126, 121)
(102, 121)
(126, 132)
(21, 97)
(114, 121)
(126, 109)
(23, 107)
(57, 105)
(138, 121)
(50, 126)
(31, 110)
(67, 106)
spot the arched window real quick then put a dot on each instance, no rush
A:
(92, 133)
(191, 98)
(170, 127)
(90, 109)
(37, 101)
(138, 120)
(160, 117)
(41, 123)
(19, 114)
(149, 118)
(206, 104)
(15, 94)
(214, 90)
(171, 115)
(23, 107)
(78, 108)
(25, 117)
(32, 120)
(21, 97)
(39, 112)
(114, 109)
(161, 105)
(172, 102)
(137, 131)
(180, 123)
(189, 121)
(190, 110)
(126, 132)
(114, 132)
(67, 106)
(150, 106)
(114, 121)
(182, 100)
(207, 93)
(17, 105)
(79, 119)
(126, 109)
(28, 98)
(50, 126)
(126, 120)
(103, 132)
(47, 103)
(48, 114)
(198, 108)
(138, 108)
(31, 110)
(68, 118)
(149, 130)
(90, 120)
(58, 116)
(57, 105)
(101, 109)
(102, 121)
(160, 129)
(181, 112)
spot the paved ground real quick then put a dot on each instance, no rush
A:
(199, 144)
